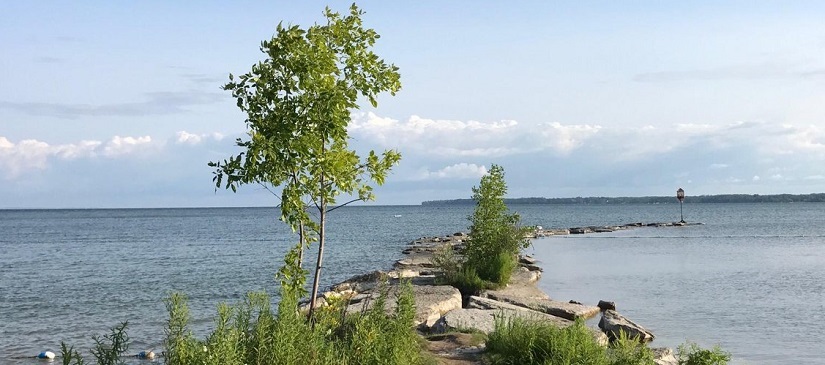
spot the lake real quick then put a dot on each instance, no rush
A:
(750, 279)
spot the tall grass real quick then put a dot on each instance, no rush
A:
(692, 354)
(250, 333)
(522, 341)
(517, 341)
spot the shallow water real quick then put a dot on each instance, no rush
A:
(750, 279)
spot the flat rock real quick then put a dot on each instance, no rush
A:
(431, 302)
(418, 259)
(527, 260)
(361, 283)
(484, 305)
(664, 356)
(612, 323)
(557, 308)
(490, 304)
(483, 320)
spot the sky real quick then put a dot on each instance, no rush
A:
(119, 104)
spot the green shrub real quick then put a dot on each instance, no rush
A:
(495, 234)
(69, 355)
(520, 341)
(690, 353)
(108, 348)
(466, 280)
(626, 350)
(497, 269)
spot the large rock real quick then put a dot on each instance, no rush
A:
(481, 305)
(557, 308)
(664, 356)
(431, 302)
(612, 323)
(481, 320)
(490, 304)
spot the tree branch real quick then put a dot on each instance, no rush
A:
(343, 205)
(269, 190)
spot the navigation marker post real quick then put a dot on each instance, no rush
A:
(680, 194)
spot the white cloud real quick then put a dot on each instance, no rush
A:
(33, 155)
(452, 138)
(458, 171)
(125, 145)
(756, 178)
(717, 166)
(184, 137)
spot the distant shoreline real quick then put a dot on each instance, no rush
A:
(700, 199)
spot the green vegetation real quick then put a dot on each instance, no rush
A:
(298, 103)
(522, 341)
(251, 333)
(491, 252)
(691, 354)
(108, 350)
(700, 199)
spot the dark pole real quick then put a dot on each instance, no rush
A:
(680, 194)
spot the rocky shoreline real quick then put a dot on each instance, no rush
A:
(446, 317)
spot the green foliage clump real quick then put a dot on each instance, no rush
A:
(690, 353)
(491, 252)
(466, 280)
(528, 342)
(251, 333)
(69, 355)
(627, 350)
(522, 341)
(108, 349)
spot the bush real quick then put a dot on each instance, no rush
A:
(466, 280)
(498, 269)
(690, 353)
(495, 235)
(521, 341)
(626, 350)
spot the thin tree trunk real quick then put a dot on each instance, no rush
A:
(301, 251)
(322, 220)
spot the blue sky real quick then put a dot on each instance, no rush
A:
(118, 104)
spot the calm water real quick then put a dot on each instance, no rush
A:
(750, 279)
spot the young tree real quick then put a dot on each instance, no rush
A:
(495, 235)
(298, 103)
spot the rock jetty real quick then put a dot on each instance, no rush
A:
(441, 309)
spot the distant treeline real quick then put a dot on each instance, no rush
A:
(724, 198)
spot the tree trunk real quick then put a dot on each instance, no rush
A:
(319, 264)
(301, 251)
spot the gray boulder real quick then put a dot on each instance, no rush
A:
(612, 323)
(431, 302)
(490, 304)
(480, 315)
(557, 308)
